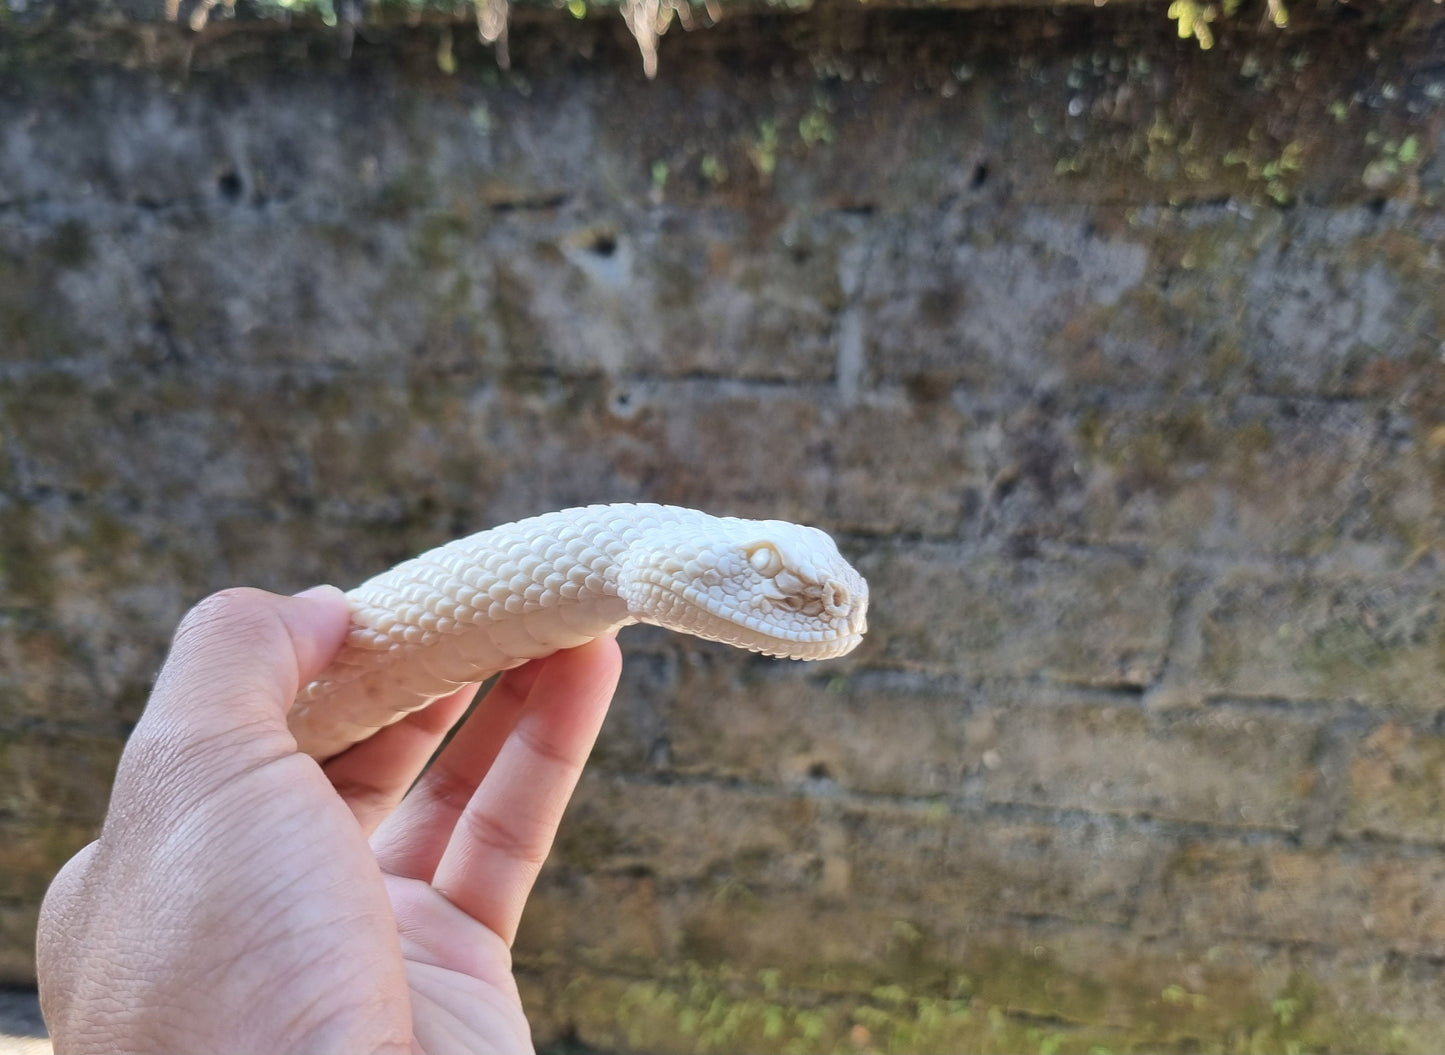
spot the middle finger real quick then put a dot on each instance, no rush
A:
(412, 839)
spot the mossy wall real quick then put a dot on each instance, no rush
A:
(1115, 364)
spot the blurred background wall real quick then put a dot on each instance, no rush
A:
(1115, 363)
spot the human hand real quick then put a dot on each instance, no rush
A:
(242, 898)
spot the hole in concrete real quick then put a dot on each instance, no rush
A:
(228, 185)
(603, 244)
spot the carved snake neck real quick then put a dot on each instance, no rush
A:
(491, 601)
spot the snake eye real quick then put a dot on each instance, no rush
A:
(765, 559)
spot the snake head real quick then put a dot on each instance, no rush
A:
(765, 585)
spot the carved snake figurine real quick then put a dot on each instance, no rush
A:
(491, 601)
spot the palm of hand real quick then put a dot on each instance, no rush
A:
(463, 995)
(241, 898)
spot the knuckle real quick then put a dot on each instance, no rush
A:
(232, 610)
(512, 839)
(68, 883)
(448, 787)
(238, 622)
(547, 750)
(63, 907)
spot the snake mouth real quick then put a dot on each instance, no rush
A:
(695, 610)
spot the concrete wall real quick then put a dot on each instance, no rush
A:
(1114, 363)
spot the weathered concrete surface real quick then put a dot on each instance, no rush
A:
(1116, 365)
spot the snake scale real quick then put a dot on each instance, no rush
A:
(491, 601)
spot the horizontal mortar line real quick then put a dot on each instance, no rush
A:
(1249, 209)
(1061, 694)
(973, 690)
(1192, 560)
(823, 389)
(965, 548)
(362, 513)
(1323, 399)
(978, 690)
(1046, 926)
(1213, 563)
(1117, 689)
(1246, 206)
(305, 208)
(1350, 714)
(1140, 399)
(1216, 563)
(1058, 924)
(1363, 840)
(964, 806)
(1195, 560)
(647, 211)
(1370, 848)
(822, 383)
(884, 394)
(265, 375)
(1037, 923)
(1055, 926)
(249, 211)
(313, 209)
(1283, 943)
(727, 386)
(1206, 561)
(1357, 951)
(1131, 398)
(359, 514)
(951, 547)
(1121, 821)
(523, 204)
(891, 679)
(1351, 955)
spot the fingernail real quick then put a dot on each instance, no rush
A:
(317, 591)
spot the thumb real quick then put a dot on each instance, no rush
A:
(237, 661)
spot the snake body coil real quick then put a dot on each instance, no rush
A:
(493, 600)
